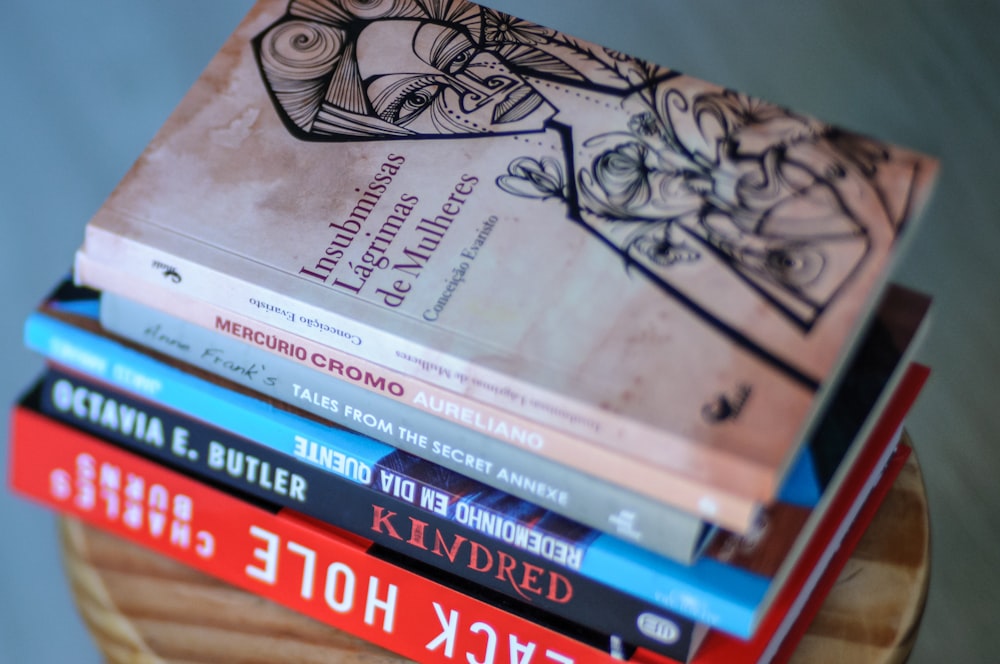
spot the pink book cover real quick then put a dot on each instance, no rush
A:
(670, 271)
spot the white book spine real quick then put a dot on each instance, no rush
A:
(599, 505)
(728, 493)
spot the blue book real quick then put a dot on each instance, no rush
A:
(731, 596)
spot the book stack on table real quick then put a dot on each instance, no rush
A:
(471, 338)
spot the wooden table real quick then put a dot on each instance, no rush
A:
(144, 608)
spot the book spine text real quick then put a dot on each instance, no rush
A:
(404, 513)
(599, 504)
(637, 572)
(731, 503)
(318, 572)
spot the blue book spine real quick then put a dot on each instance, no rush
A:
(707, 591)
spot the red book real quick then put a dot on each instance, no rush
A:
(317, 570)
(797, 605)
(791, 632)
(330, 575)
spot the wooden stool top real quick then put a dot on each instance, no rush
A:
(143, 607)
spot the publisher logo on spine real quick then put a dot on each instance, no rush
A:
(658, 628)
(168, 271)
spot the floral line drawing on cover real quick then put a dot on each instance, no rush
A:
(675, 176)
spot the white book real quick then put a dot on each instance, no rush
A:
(671, 272)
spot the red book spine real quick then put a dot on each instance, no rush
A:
(321, 572)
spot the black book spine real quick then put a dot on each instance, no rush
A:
(525, 583)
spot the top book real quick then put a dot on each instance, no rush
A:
(672, 272)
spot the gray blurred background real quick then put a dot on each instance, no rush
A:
(83, 86)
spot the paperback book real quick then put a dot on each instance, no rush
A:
(468, 431)
(281, 556)
(403, 510)
(323, 572)
(715, 591)
(537, 222)
(603, 507)
(778, 646)
(901, 313)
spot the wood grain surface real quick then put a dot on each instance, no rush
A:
(143, 608)
(873, 611)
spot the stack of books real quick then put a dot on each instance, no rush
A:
(469, 337)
